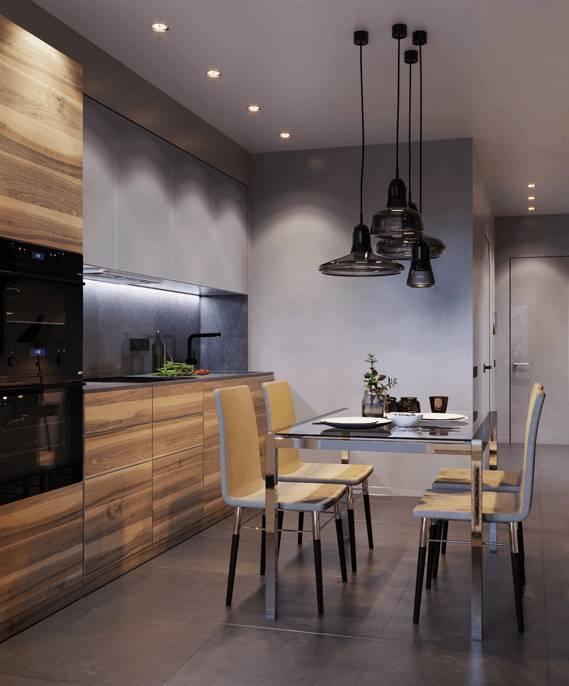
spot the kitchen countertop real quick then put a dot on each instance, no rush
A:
(94, 386)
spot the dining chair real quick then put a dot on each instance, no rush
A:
(457, 480)
(508, 508)
(243, 486)
(279, 407)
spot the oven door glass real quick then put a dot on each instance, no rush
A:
(40, 310)
(41, 440)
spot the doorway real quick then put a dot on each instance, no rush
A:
(539, 344)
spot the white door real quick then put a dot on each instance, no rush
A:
(539, 344)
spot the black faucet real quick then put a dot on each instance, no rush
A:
(194, 360)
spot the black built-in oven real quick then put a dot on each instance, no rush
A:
(41, 390)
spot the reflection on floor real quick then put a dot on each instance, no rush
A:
(166, 623)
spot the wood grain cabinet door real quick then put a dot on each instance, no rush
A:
(41, 548)
(41, 142)
(118, 518)
(117, 409)
(177, 486)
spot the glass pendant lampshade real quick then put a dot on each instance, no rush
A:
(361, 261)
(420, 273)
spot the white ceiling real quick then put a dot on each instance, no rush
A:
(495, 70)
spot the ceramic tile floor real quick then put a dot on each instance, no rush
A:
(165, 623)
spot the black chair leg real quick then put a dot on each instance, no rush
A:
(233, 557)
(521, 548)
(341, 547)
(318, 561)
(367, 510)
(280, 520)
(444, 537)
(263, 539)
(420, 571)
(300, 526)
(437, 548)
(430, 556)
(352, 532)
(517, 577)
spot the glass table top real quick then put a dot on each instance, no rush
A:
(465, 430)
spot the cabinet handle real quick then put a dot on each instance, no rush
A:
(520, 364)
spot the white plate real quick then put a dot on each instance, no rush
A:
(354, 422)
(444, 416)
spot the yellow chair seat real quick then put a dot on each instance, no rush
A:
(326, 473)
(496, 507)
(449, 479)
(295, 497)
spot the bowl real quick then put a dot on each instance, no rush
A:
(405, 418)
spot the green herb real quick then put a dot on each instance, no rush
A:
(175, 369)
(373, 379)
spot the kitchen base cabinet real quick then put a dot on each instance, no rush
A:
(177, 493)
(41, 548)
(118, 521)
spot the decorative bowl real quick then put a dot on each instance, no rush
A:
(405, 418)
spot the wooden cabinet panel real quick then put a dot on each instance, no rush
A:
(118, 517)
(172, 435)
(177, 400)
(41, 142)
(117, 449)
(41, 548)
(99, 185)
(177, 492)
(117, 409)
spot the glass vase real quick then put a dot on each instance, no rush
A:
(373, 405)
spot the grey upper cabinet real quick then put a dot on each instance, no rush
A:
(144, 171)
(230, 234)
(99, 185)
(193, 229)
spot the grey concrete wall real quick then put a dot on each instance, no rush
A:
(108, 81)
(525, 236)
(315, 330)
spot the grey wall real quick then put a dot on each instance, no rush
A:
(525, 236)
(115, 313)
(315, 330)
(111, 83)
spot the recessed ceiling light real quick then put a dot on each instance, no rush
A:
(531, 185)
(531, 197)
(159, 27)
(213, 73)
(531, 208)
(254, 108)
(285, 135)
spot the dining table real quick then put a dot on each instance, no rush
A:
(473, 438)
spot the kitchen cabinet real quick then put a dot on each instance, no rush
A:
(41, 547)
(144, 240)
(99, 185)
(41, 146)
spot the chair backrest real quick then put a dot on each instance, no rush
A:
(537, 398)
(239, 443)
(279, 408)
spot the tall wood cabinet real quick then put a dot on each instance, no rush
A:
(41, 142)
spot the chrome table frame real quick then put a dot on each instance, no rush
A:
(479, 447)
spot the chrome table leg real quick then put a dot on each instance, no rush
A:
(476, 605)
(271, 544)
(345, 458)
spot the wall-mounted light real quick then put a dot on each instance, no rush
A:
(254, 108)
(213, 74)
(531, 185)
(285, 135)
(531, 197)
(159, 27)
(531, 208)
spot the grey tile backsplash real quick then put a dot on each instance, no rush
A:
(115, 313)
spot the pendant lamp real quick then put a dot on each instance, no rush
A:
(361, 261)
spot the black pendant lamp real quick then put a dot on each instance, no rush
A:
(420, 272)
(397, 220)
(361, 261)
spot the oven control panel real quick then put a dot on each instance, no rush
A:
(40, 361)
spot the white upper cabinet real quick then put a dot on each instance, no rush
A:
(155, 210)
(144, 175)
(230, 234)
(99, 185)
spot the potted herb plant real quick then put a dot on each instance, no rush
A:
(376, 387)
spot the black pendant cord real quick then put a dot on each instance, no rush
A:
(409, 134)
(363, 137)
(398, 100)
(420, 128)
